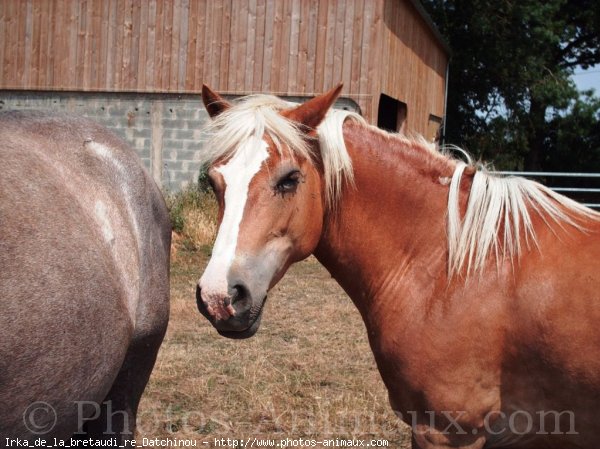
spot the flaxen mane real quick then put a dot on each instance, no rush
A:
(498, 215)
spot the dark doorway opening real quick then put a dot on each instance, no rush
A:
(391, 114)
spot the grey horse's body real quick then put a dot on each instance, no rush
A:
(84, 280)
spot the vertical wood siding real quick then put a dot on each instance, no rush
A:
(287, 47)
(415, 68)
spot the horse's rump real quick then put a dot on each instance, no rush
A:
(84, 239)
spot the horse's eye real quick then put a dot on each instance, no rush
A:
(289, 182)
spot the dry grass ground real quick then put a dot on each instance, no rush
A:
(308, 372)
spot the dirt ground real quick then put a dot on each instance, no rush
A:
(308, 373)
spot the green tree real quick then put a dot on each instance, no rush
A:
(510, 74)
(573, 142)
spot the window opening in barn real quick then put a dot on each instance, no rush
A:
(434, 128)
(392, 114)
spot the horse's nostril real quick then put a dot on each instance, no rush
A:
(239, 293)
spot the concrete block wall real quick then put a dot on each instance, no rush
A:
(165, 129)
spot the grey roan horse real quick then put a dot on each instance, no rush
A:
(84, 279)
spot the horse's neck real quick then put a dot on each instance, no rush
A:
(388, 235)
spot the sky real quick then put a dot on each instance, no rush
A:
(587, 79)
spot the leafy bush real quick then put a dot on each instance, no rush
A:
(203, 180)
(193, 213)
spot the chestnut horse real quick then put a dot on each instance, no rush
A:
(84, 280)
(480, 293)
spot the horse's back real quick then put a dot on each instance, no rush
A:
(84, 238)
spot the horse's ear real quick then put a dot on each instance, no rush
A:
(214, 103)
(312, 113)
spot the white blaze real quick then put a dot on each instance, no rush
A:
(237, 174)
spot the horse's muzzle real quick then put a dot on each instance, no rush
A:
(244, 319)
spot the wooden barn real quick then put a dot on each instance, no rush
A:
(387, 53)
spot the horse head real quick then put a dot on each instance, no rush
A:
(268, 179)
